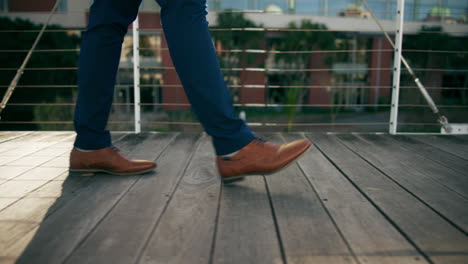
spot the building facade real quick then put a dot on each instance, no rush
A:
(365, 71)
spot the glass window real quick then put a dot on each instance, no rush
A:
(62, 7)
(3, 5)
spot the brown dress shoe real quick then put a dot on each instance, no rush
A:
(260, 157)
(108, 160)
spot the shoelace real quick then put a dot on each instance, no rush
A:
(258, 140)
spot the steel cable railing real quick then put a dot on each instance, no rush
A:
(244, 69)
(253, 86)
(246, 30)
(284, 12)
(266, 51)
(269, 70)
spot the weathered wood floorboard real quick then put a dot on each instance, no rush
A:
(128, 225)
(352, 199)
(453, 179)
(306, 230)
(410, 172)
(36, 207)
(435, 154)
(17, 151)
(185, 231)
(9, 135)
(415, 220)
(31, 143)
(444, 143)
(371, 237)
(246, 231)
(80, 215)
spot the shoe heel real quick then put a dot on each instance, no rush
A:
(229, 181)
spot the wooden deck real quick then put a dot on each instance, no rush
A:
(353, 199)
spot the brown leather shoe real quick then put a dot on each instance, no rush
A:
(108, 160)
(260, 157)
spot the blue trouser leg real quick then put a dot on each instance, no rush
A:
(194, 57)
(98, 64)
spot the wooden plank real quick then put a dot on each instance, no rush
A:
(10, 255)
(27, 210)
(4, 202)
(371, 237)
(246, 230)
(21, 153)
(307, 232)
(29, 161)
(12, 231)
(464, 138)
(57, 162)
(442, 143)
(81, 214)
(10, 172)
(9, 135)
(59, 188)
(4, 159)
(28, 145)
(433, 153)
(140, 208)
(29, 138)
(18, 219)
(452, 179)
(18, 189)
(458, 139)
(34, 151)
(31, 210)
(184, 233)
(54, 151)
(21, 228)
(425, 229)
(403, 167)
(25, 215)
(41, 174)
(6, 135)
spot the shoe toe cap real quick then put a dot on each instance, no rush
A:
(292, 150)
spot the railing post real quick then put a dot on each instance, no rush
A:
(397, 67)
(136, 75)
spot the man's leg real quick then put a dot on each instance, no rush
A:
(194, 57)
(195, 60)
(98, 64)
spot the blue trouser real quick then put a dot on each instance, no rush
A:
(193, 54)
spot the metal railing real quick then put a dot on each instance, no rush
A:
(395, 87)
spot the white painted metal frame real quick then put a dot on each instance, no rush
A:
(136, 74)
(397, 67)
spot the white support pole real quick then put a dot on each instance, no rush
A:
(397, 67)
(136, 75)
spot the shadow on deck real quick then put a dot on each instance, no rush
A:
(353, 199)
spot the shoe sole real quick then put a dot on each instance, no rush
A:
(91, 172)
(241, 177)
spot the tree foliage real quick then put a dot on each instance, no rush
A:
(306, 36)
(21, 36)
(428, 40)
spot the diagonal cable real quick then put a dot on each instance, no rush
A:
(20, 71)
